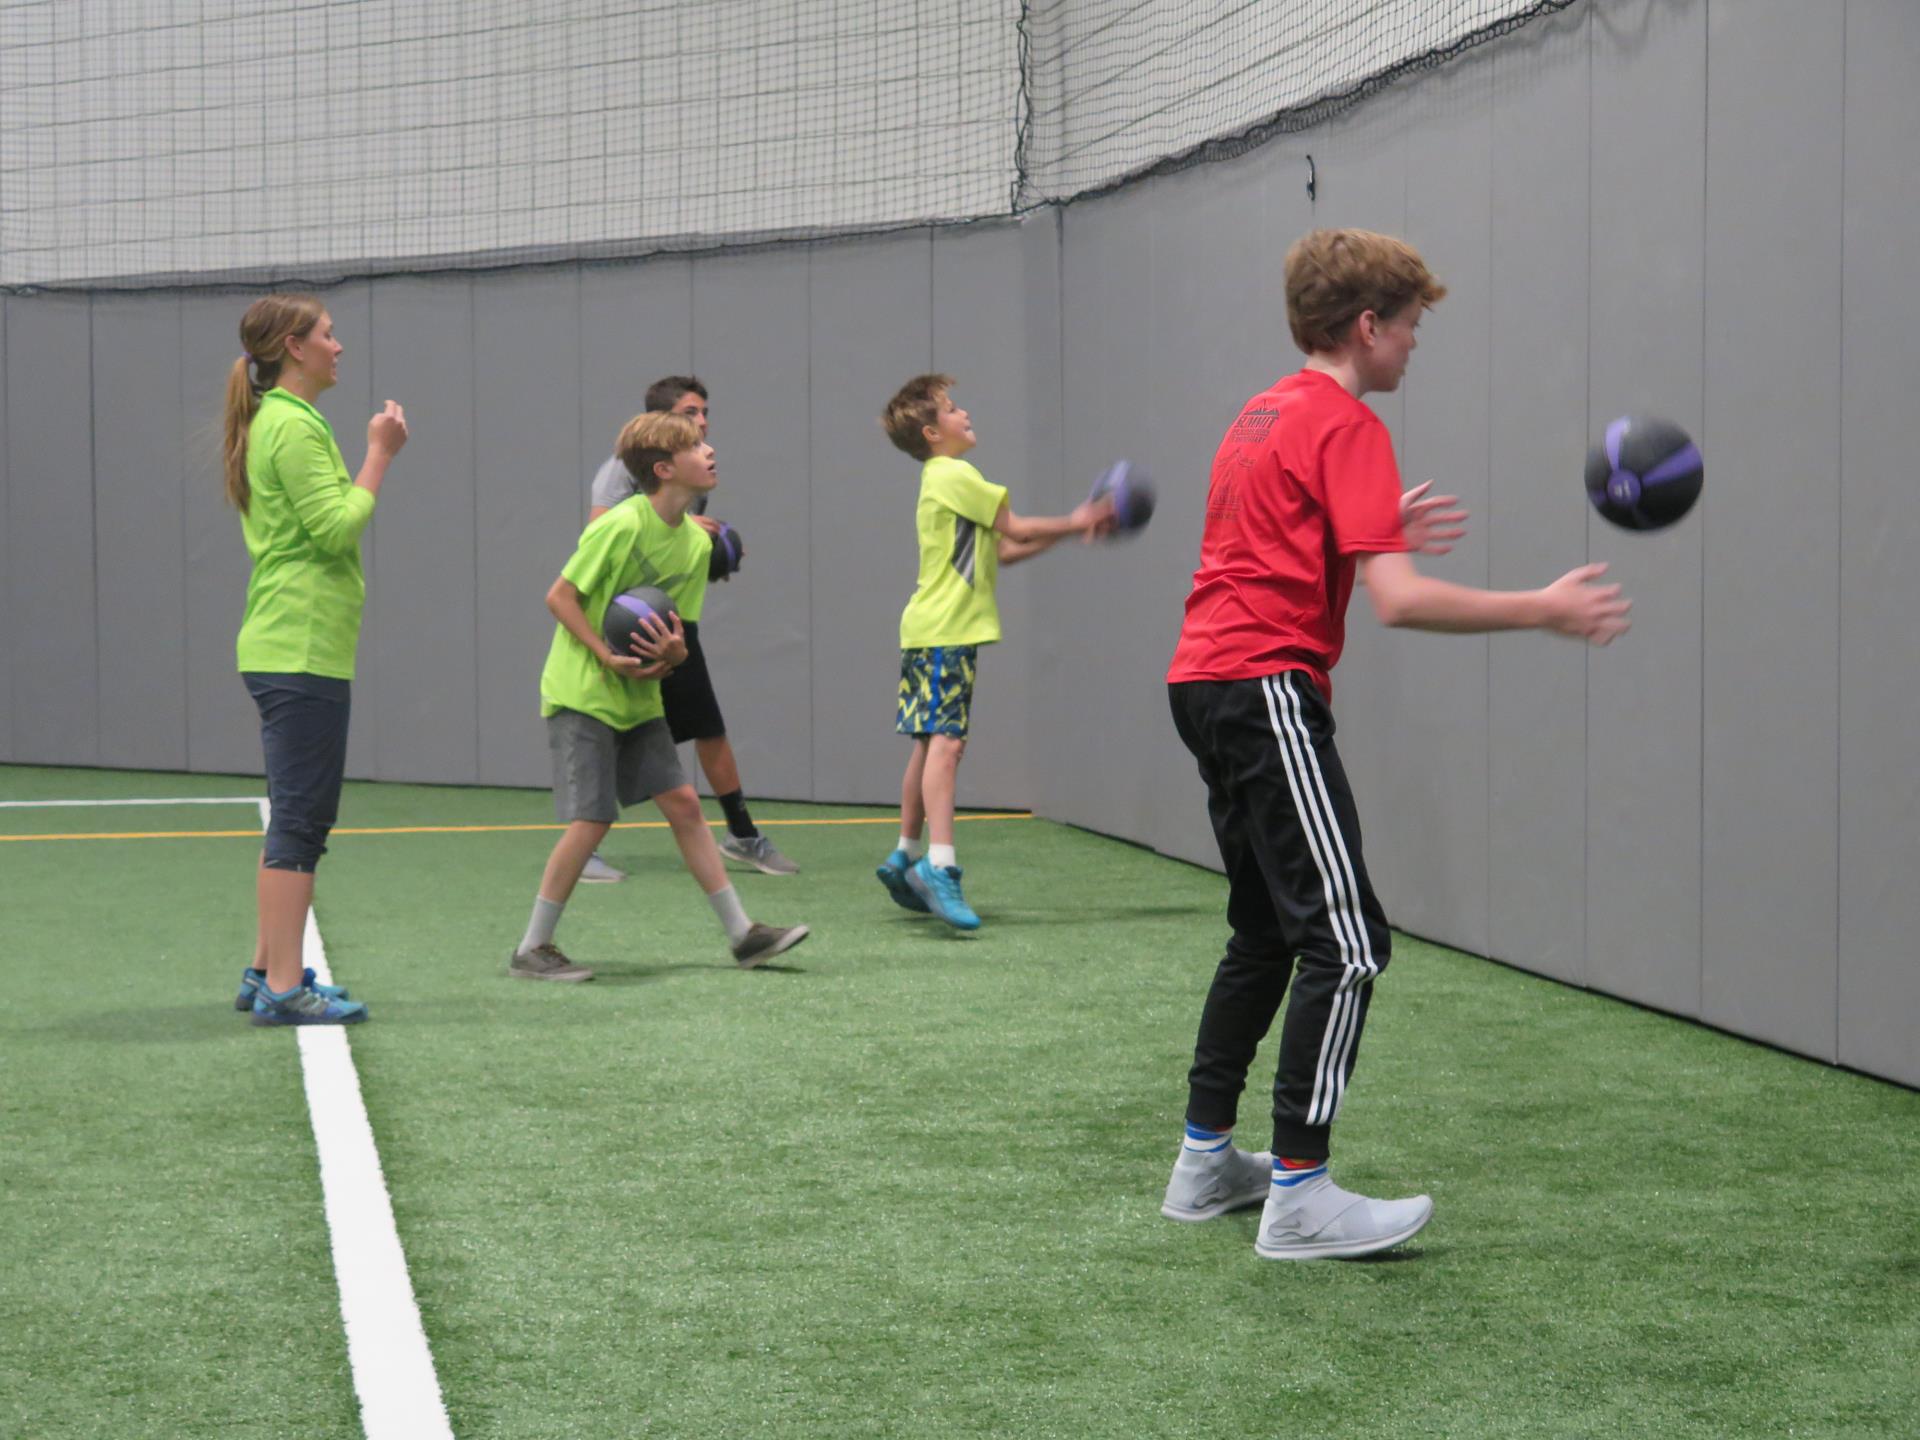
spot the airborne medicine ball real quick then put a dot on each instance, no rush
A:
(727, 554)
(1132, 491)
(621, 624)
(1644, 474)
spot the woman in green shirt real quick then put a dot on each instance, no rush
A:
(302, 517)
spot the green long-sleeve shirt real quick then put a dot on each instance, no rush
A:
(303, 527)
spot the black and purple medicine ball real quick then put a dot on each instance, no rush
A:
(1133, 494)
(1644, 474)
(621, 624)
(728, 552)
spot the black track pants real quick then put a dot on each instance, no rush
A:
(1290, 839)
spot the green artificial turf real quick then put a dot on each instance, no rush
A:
(905, 1183)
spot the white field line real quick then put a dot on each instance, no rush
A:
(386, 1345)
(173, 800)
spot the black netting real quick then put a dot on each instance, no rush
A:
(1129, 88)
(163, 142)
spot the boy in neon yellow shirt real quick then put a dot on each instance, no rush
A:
(606, 726)
(967, 531)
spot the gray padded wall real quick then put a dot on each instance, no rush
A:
(140, 584)
(1537, 684)
(1434, 836)
(1769, 886)
(419, 644)
(1879, 854)
(1096, 706)
(1645, 281)
(861, 527)
(750, 346)
(527, 463)
(50, 565)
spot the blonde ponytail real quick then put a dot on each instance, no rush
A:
(264, 331)
(242, 401)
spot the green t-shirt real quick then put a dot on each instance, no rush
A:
(302, 525)
(959, 558)
(628, 546)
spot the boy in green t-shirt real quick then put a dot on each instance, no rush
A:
(967, 531)
(606, 727)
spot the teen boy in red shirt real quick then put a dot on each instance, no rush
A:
(1305, 494)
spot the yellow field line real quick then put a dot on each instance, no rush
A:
(464, 829)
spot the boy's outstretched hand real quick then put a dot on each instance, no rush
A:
(1581, 608)
(1430, 527)
(1095, 518)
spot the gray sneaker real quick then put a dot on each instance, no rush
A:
(598, 872)
(1204, 1186)
(762, 942)
(759, 852)
(545, 962)
(1314, 1219)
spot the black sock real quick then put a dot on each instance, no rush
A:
(739, 822)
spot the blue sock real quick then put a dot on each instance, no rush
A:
(1202, 1141)
(1286, 1178)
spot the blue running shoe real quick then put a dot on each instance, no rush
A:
(893, 875)
(250, 981)
(305, 1007)
(940, 891)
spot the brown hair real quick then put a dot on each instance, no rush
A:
(648, 439)
(665, 393)
(264, 331)
(1334, 276)
(915, 406)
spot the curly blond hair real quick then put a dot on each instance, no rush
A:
(1334, 276)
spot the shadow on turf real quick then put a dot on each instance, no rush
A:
(1105, 912)
(643, 974)
(212, 1019)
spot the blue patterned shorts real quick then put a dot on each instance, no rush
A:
(936, 690)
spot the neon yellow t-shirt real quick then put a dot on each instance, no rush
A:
(959, 558)
(628, 546)
(302, 525)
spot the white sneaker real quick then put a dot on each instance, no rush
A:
(598, 872)
(1316, 1220)
(1204, 1186)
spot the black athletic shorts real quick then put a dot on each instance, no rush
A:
(692, 711)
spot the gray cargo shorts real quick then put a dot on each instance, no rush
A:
(597, 769)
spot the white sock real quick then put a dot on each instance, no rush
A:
(546, 919)
(914, 848)
(1201, 1142)
(733, 915)
(941, 857)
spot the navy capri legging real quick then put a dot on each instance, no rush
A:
(303, 730)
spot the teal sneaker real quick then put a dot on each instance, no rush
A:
(893, 874)
(939, 890)
(252, 979)
(305, 1007)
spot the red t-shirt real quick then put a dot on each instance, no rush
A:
(1304, 482)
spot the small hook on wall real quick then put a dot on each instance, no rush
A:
(1313, 182)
